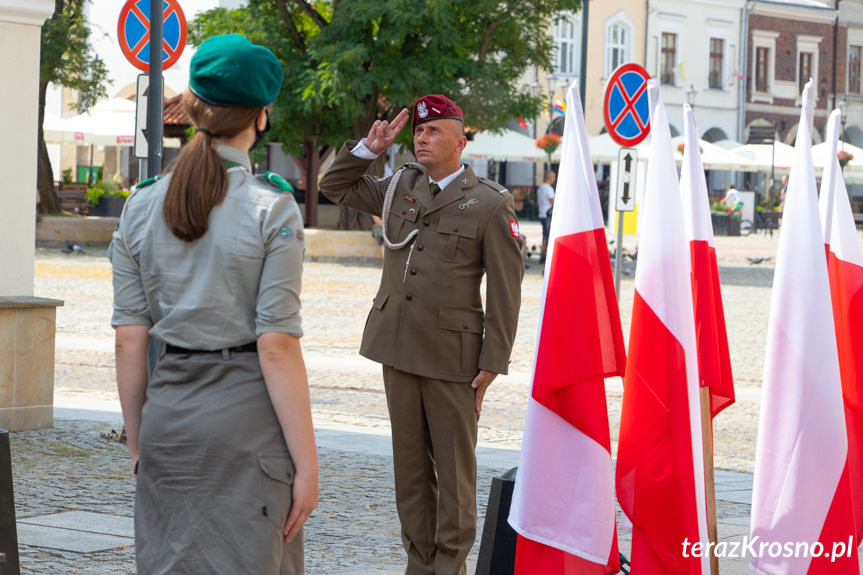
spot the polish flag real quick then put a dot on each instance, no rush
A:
(714, 362)
(660, 463)
(801, 490)
(845, 269)
(563, 503)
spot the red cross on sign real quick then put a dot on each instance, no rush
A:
(626, 109)
(133, 32)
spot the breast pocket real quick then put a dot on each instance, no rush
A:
(400, 223)
(458, 232)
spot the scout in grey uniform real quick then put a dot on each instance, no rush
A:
(209, 260)
(439, 349)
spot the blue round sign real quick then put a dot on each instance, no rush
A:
(133, 32)
(626, 108)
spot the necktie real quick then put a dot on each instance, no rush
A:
(434, 188)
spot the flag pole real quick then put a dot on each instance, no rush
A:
(709, 487)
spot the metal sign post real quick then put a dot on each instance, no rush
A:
(154, 100)
(627, 119)
(627, 169)
(159, 25)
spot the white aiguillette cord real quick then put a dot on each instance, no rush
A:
(388, 203)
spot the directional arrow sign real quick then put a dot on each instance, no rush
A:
(141, 116)
(627, 167)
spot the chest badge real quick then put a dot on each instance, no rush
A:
(468, 204)
(286, 233)
(412, 211)
(408, 198)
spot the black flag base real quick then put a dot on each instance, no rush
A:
(624, 563)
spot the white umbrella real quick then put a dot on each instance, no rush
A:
(511, 146)
(108, 123)
(763, 157)
(852, 172)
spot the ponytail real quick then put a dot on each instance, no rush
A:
(199, 179)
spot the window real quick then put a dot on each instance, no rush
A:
(669, 57)
(854, 69)
(805, 70)
(617, 46)
(619, 38)
(717, 52)
(565, 37)
(762, 67)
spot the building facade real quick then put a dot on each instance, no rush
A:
(693, 49)
(787, 43)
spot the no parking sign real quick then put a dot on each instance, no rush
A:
(626, 109)
(133, 31)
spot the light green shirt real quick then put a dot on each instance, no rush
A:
(240, 279)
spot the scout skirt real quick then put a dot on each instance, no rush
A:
(214, 475)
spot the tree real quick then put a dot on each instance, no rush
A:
(348, 63)
(67, 60)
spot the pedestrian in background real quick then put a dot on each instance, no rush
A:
(545, 199)
(208, 260)
(444, 228)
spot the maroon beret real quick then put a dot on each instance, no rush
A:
(435, 107)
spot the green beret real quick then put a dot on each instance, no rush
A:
(229, 70)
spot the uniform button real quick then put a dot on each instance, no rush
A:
(455, 229)
(420, 247)
(409, 297)
(426, 222)
(404, 212)
(413, 271)
(464, 326)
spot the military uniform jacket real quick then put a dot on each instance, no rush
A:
(427, 318)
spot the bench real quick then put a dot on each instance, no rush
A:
(73, 198)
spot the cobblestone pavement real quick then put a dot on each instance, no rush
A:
(70, 467)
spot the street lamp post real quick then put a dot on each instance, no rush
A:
(551, 81)
(691, 93)
(843, 106)
(534, 91)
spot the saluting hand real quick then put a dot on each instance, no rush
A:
(480, 384)
(382, 133)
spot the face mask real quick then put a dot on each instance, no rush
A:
(259, 134)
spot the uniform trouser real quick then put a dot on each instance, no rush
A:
(546, 226)
(434, 431)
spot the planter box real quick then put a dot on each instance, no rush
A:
(109, 207)
(725, 224)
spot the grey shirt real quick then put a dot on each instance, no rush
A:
(242, 278)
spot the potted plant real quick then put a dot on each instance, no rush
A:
(107, 200)
(844, 157)
(548, 143)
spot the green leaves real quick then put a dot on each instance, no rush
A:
(350, 62)
(67, 58)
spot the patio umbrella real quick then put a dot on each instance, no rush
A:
(510, 146)
(852, 172)
(764, 157)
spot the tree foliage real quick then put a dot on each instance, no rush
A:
(350, 62)
(68, 60)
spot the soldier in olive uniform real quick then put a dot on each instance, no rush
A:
(444, 228)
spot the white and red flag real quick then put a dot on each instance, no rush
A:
(801, 491)
(714, 361)
(660, 463)
(845, 270)
(563, 503)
